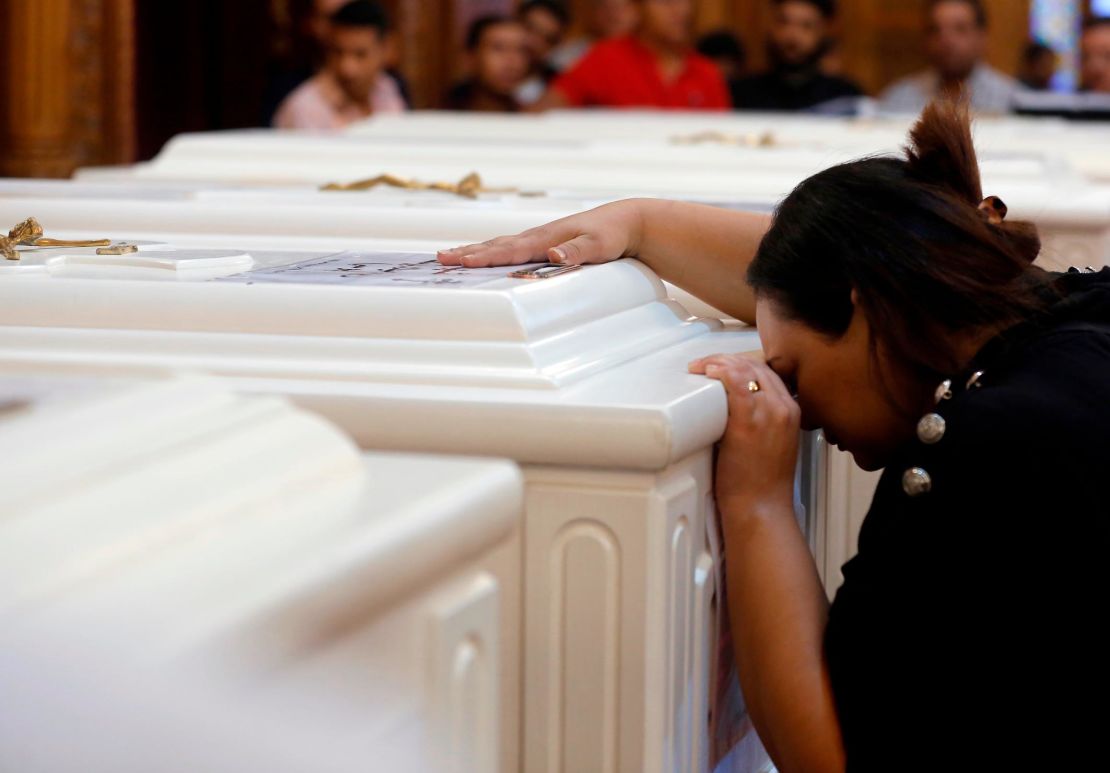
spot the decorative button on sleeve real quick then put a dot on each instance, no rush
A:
(916, 481)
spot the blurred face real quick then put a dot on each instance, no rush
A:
(613, 18)
(1095, 58)
(319, 23)
(837, 386)
(954, 40)
(356, 56)
(544, 33)
(501, 59)
(666, 22)
(1042, 68)
(798, 32)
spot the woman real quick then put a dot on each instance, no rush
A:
(900, 312)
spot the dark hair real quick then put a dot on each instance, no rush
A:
(1035, 49)
(826, 7)
(1095, 22)
(362, 13)
(553, 7)
(977, 7)
(907, 235)
(479, 26)
(720, 44)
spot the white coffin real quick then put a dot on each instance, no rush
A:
(577, 173)
(1074, 217)
(229, 582)
(206, 216)
(582, 378)
(1082, 146)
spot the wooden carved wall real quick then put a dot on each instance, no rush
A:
(66, 83)
(201, 65)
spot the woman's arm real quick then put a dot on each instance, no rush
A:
(704, 250)
(778, 611)
(777, 606)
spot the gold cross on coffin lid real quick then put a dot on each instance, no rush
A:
(468, 187)
(29, 234)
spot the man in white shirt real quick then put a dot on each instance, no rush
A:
(353, 84)
(956, 40)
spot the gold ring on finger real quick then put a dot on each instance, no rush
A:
(753, 386)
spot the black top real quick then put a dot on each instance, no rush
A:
(468, 95)
(789, 91)
(970, 630)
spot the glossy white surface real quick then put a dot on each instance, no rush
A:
(392, 365)
(155, 260)
(1078, 145)
(237, 553)
(1072, 211)
(582, 377)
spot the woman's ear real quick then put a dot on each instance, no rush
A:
(854, 296)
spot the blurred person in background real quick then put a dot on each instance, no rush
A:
(546, 23)
(727, 52)
(353, 84)
(832, 61)
(606, 19)
(318, 23)
(302, 55)
(955, 45)
(656, 67)
(797, 42)
(1038, 65)
(1094, 56)
(319, 26)
(497, 49)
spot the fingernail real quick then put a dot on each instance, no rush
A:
(560, 256)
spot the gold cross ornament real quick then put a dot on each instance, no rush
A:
(29, 234)
(468, 187)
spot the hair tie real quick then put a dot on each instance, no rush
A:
(993, 210)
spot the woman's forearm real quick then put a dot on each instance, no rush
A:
(778, 611)
(702, 249)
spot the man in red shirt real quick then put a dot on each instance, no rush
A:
(655, 67)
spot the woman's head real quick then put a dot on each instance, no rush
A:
(880, 277)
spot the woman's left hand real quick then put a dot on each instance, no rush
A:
(759, 450)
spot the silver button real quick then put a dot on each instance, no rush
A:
(915, 482)
(931, 428)
(944, 391)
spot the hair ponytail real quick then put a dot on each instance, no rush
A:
(941, 152)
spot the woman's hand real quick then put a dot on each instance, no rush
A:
(704, 250)
(759, 451)
(599, 235)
